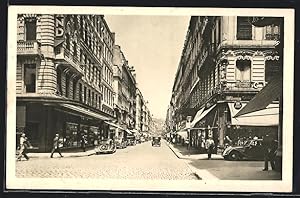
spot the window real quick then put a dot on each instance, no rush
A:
(272, 32)
(68, 41)
(30, 28)
(80, 93)
(244, 29)
(243, 70)
(271, 69)
(59, 86)
(75, 50)
(84, 95)
(30, 77)
(74, 89)
(67, 85)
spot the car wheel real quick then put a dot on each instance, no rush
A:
(234, 155)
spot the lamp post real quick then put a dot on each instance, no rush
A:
(188, 126)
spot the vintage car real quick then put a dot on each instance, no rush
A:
(131, 140)
(106, 146)
(121, 143)
(251, 150)
(156, 141)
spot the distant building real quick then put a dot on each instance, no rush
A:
(225, 62)
(64, 78)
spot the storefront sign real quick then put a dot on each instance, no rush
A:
(237, 105)
(59, 26)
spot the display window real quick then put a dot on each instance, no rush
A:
(71, 136)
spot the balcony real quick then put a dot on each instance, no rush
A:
(65, 59)
(30, 48)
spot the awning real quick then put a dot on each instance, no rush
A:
(183, 134)
(197, 117)
(114, 125)
(84, 111)
(129, 132)
(265, 97)
(203, 114)
(266, 117)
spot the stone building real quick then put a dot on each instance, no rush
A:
(64, 78)
(225, 62)
(125, 88)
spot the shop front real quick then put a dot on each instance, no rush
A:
(41, 121)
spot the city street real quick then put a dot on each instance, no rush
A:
(134, 162)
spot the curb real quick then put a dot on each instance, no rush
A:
(47, 155)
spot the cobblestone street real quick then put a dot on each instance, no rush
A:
(136, 162)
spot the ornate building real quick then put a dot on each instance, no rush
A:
(64, 78)
(225, 62)
(124, 87)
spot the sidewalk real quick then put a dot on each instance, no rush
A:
(183, 153)
(220, 169)
(88, 152)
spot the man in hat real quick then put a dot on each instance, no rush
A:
(56, 142)
(23, 147)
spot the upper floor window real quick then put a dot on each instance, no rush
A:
(30, 29)
(243, 70)
(30, 77)
(272, 32)
(271, 69)
(244, 29)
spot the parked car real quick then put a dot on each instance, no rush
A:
(156, 141)
(121, 143)
(106, 146)
(131, 140)
(251, 150)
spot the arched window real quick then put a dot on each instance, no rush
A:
(243, 70)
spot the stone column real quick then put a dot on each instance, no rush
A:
(46, 79)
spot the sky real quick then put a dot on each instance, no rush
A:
(153, 45)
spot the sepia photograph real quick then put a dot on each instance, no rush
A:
(150, 99)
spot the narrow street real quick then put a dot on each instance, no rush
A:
(134, 162)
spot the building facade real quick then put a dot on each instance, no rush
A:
(125, 88)
(225, 62)
(64, 78)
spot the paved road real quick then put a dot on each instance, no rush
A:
(135, 162)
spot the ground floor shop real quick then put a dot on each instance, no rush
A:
(219, 122)
(42, 121)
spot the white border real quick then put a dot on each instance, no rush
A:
(285, 185)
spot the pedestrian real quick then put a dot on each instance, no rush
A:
(209, 145)
(269, 147)
(83, 142)
(24, 144)
(56, 145)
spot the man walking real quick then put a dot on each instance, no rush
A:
(23, 147)
(56, 144)
(209, 145)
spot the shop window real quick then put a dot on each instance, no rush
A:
(30, 29)
(271, 70)
(272, 32)
(71, 136)
(244, 29)
(30, 78)
(243, 70)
